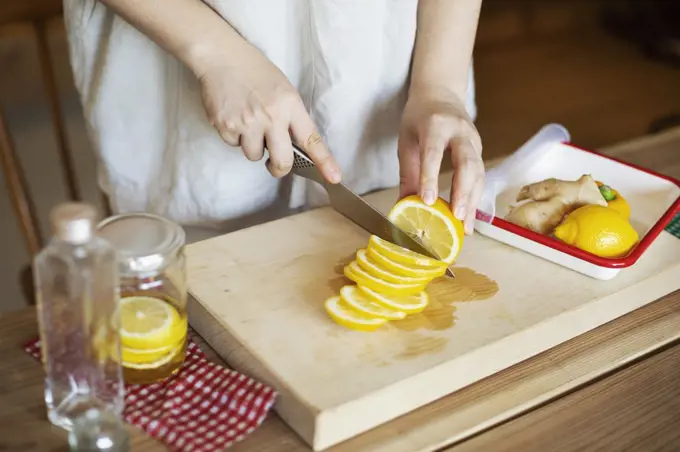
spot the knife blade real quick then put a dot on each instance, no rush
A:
(356, 209)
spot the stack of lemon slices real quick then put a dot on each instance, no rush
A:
(391, 280)
(152, 332)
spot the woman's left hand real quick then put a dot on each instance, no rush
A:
(434, 120)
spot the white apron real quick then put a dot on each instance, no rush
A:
(158, 153)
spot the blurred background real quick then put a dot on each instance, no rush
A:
(608, 70)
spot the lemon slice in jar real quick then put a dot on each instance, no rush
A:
(149, 323)
(151, 359)
(147, 356)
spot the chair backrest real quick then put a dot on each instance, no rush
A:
(36, 13)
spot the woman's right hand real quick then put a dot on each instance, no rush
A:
(247, 98)
(252, 103)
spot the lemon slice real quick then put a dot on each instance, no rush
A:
(150, 323)
(410, 304)
(344, 315)
(359, 301)
(362, 278)
(403, 255)
(160, 362)
(402, 269)
(376, 270)
(137, 356)
(434, 225)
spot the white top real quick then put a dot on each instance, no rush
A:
(157, 151)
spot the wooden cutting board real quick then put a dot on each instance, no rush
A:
(266, 286)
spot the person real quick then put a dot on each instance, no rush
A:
(176, 92)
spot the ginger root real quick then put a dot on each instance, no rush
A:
(579, 193)
(551, 200)
(539, 216)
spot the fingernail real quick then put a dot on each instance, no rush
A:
(428, 197)
(460, 212)
(335, 175)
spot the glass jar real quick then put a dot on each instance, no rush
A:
(153, 291)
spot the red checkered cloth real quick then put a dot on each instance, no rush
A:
(202, 408)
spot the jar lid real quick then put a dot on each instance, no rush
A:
(145, 242)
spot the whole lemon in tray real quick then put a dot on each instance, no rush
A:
(599, 230)
(614, 200)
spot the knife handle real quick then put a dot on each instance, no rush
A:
(303, 165)
(300, 158)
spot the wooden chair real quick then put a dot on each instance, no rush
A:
(36, 13)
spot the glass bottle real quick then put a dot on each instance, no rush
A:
(99, 431)
(153, 288)
(76, 281)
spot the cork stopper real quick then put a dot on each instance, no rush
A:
(73, 222)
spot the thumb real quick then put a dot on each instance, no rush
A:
(409, 165)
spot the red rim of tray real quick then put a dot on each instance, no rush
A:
(621, 262)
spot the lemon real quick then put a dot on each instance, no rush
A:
(403, 269)
(140, 358)
(350, 318)
(616, 201)
(159, 362)
(403, 255)
(363, 278)
(372, 267)
(435, 226)
(149, 323)
(364, 304)
(410, 304)
(131, 356)
(599, 230)
(390, 279)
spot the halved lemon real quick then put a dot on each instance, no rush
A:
(402, 269)
(350, 318)
(363, 278)
(358, 300)
(403, 255)
(150, 323)
(434, 225)
(410, 304)
(372, 267)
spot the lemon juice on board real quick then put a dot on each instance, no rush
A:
(153, 295)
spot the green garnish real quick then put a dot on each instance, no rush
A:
(607, 193)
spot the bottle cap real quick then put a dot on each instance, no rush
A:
(73, 222)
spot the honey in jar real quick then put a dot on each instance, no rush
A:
(153, 294)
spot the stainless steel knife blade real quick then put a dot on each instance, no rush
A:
(356, 209)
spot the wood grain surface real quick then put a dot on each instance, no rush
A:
(616, 413)
(266, 286)
(567, 367)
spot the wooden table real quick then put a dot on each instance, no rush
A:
(635, 406)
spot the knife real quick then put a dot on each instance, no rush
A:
(353, 206)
